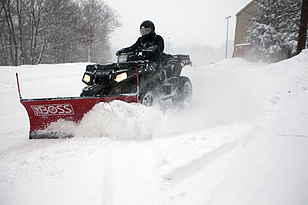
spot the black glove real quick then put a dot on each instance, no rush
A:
(151, 48)
(139, 49)
(119, 52)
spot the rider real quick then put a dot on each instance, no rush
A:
(149, 41)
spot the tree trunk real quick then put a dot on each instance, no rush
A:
(303, 27)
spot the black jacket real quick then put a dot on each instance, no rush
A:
(144, 42)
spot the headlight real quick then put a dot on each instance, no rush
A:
(120, 77)
(86, 78)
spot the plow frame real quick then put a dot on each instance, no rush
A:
(44, 111)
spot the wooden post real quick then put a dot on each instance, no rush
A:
(303, 27)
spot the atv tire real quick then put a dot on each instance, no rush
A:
(184, 92)
(148, 98)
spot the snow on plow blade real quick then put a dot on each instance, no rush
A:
(44, 111)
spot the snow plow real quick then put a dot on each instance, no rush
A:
(128, 80)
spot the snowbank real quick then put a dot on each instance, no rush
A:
(243, 140)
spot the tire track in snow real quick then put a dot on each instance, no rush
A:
(132, 177)
(181, 158)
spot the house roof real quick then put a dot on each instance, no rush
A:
(244, 9)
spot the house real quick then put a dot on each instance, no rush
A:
(243, 22)
(242, 49)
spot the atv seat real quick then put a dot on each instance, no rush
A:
(171, 65)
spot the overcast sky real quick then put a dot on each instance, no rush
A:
(184, 22)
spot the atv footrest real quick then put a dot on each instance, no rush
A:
(167, 89)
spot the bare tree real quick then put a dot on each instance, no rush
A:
(100, 22)
(10, 44)
(55, 31)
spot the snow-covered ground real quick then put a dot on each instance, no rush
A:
(244, 140)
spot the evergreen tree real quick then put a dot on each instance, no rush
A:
(276, 28)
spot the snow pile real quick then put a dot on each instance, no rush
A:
(120, 120)
(116, 120)
(243, 140)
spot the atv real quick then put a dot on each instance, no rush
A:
(131, 80)
(131, 75)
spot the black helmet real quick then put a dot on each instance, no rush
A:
(147, 27)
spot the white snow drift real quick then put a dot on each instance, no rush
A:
(243, 140)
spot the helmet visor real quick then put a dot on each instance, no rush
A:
(144, 31)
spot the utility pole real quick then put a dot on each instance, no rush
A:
(168, 44)
(303, 27)
(227, 35)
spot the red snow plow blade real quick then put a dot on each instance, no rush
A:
(42, 112)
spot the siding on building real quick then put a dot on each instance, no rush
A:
(242, 49)
(243, 22)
